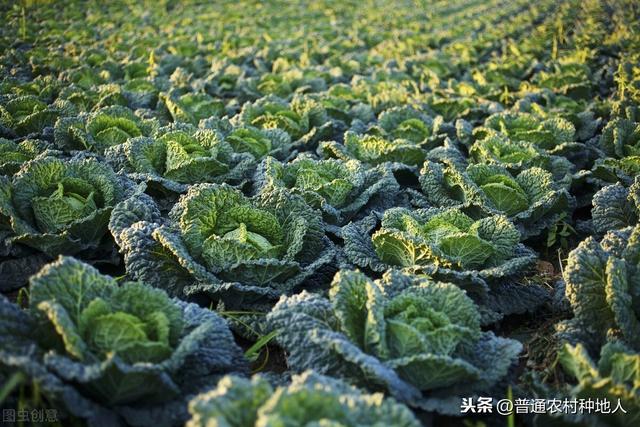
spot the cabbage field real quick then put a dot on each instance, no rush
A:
(329, 213)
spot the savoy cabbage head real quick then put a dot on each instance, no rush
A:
(218, 241)
(405, 125)
(25, 115)
(192, 107)
(443, 242)
(180, 155)
(373, 150)
(554, 135)
(602, 282)
(110, 352)
(14, 154)
(616, 206)
(101, 129)
(620, 142)
(303, 119)
(452, 107)
(531, 199)
(614, 378)
(546, 104)
(342, 190)
(420, 340)
(517, 156)
(309, 400)
(254, 141)
(545, 133)
(62, 206)
(343, 111)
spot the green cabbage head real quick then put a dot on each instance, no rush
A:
(62, 206)
(310, 400)
(615, 378)
(531, 198)
(341, 189)
(404, 333)
(109, 351)
(603, 284)
(220, 242)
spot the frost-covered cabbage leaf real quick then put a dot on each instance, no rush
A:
(111, 352)
(531, 199)
(342, 190)
(373, 150)
(443, 242)
(218, 241)
(177, 156)
(420, 340)
(615, 378)
(101, 129)
(303, 119)
(62, 206)
(602, 286)
(310, 400)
